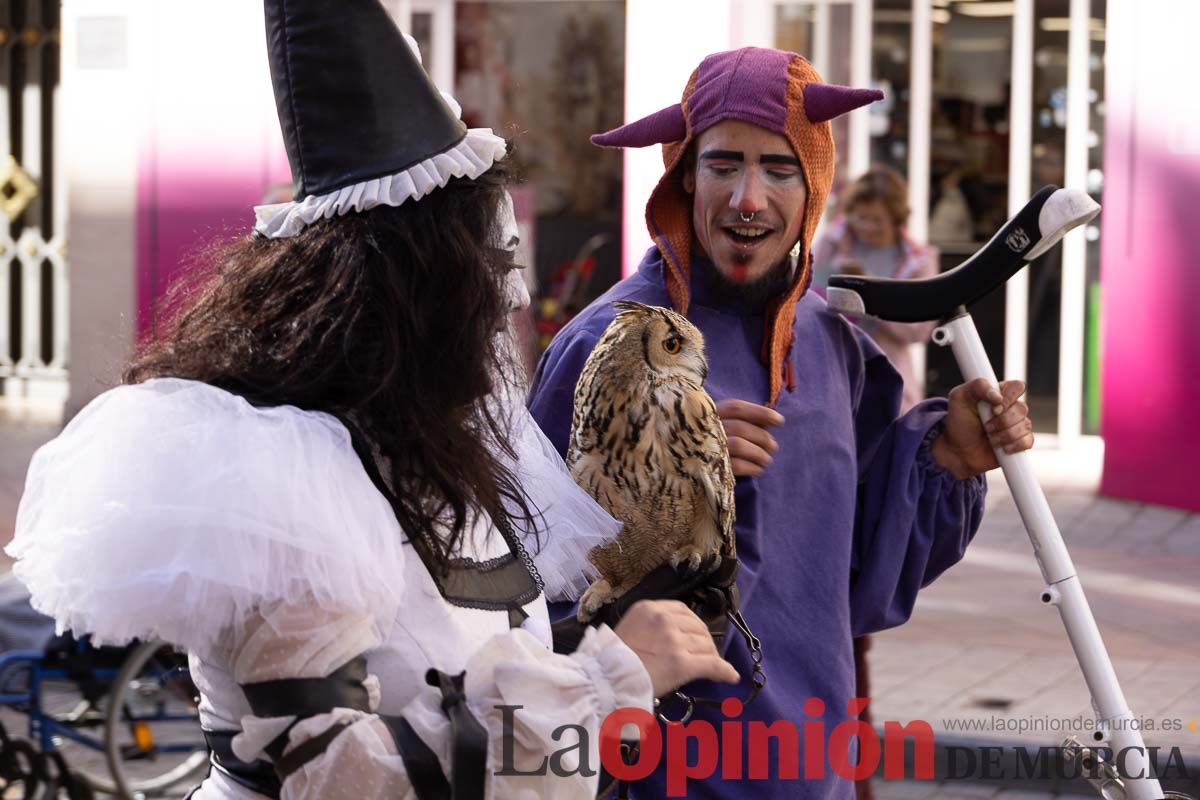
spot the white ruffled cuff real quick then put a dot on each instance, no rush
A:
(474, 154)
(602, 675)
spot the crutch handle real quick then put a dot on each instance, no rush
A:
(1036, 228)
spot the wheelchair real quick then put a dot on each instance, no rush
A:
(122, 720)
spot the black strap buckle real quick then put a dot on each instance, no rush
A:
(758, 678)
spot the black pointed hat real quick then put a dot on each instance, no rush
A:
(362, 122)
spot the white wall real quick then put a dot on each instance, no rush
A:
(169, 137)
(101, 95)
(664, 43)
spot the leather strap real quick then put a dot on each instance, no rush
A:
(468, 747)
(306, 751)
(308, 697)
(469, 739)
(257, 776)
(262, 776)
(424, 770)
(305, 697)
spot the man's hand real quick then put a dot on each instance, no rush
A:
(750, 443)
(965, 446)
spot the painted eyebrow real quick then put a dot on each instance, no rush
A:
(790, 161)
(722, 155)
(736, 155)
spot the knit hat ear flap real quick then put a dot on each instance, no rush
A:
(813, 143)
(669, 220)
(669, 212)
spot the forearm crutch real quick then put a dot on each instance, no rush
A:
(1034, 230)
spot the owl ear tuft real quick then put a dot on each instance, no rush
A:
(630, 306)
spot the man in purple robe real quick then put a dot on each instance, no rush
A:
(844, 509)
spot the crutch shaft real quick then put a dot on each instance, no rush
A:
(1063, 587)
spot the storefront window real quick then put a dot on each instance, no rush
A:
(968, 167)
(548, 75)
(821, 33)
(969, 154)
(1095, 187)
(891, 43)
(972, 57)
(422, 31)
(1050, 36)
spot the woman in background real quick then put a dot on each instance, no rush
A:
(869, 239)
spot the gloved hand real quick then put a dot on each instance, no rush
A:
(710, 591)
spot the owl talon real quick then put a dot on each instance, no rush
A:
(596, 596)
(694, 559)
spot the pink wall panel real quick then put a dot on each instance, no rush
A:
(1150, 262)
(210, 142)
(181, 211)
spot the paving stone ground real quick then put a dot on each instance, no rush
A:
(981, 650)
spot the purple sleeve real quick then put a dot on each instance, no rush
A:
(552, 395)
(915, 519)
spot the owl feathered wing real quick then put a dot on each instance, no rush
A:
(711, 468)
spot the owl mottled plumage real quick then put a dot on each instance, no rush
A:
(647, 443)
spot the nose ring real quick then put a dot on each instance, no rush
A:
(747, 217)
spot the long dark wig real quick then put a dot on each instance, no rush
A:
(386, 319)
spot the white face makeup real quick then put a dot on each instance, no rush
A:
(507, 240)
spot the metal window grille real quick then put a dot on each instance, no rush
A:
(33, 270)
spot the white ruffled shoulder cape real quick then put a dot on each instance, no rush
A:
(568, 521)
(171, 509)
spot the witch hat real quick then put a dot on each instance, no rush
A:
(362, 122)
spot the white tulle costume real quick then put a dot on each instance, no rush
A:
(254, 538)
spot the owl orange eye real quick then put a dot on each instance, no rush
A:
(671, 344)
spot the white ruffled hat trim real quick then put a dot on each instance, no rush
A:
(474, 155)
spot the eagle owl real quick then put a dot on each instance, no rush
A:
(647, 444)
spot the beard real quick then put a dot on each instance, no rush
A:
(756, 294)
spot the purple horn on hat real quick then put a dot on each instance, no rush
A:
(824, 101)
(667, 125)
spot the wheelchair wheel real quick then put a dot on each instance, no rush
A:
(152, 736)
(63, 702)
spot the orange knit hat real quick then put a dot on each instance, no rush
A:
(775, 90)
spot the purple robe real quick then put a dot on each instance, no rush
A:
(836, 537)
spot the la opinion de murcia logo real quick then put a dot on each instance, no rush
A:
(1018, 240)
